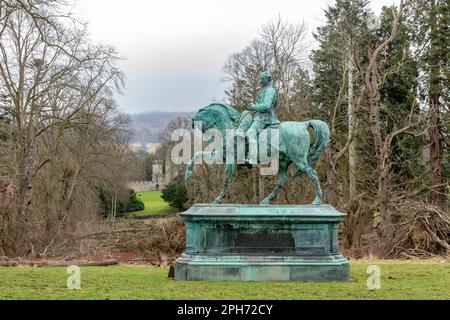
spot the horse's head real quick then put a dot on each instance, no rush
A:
(217, 116)
(205, 119)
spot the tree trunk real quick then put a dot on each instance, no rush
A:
(385, 227)
(24, 198)
(25, 186)
(435, 134)
(331, 177)
(352, 152)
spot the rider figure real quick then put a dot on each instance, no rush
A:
(266, 102)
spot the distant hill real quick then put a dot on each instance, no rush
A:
(148, 126)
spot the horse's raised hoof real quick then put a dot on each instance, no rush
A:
(265, 202)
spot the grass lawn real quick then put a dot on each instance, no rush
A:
(153, 203)
(399, 280)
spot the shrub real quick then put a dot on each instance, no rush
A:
(130, 203)
(175, 194)
(134, 203)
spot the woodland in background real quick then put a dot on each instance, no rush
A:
(381, 83)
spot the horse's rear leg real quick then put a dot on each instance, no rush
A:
(315, 180)
(282, 175)
(304, 166)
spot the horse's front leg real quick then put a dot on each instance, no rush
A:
(229, 173)
(190, 165)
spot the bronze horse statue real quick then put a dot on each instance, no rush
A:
(294, 146)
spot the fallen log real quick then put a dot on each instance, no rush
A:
(104, 263)
(40, 264)
(9, 263)
(113, 232)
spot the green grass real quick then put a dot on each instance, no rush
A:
(399, 280)
(153, 203)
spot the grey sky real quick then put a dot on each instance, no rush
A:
(175, 49)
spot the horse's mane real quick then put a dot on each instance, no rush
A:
(223, 109)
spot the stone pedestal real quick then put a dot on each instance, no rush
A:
(262, 243)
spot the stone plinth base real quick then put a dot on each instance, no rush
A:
(262, 243)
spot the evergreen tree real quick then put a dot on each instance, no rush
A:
(175, 194)
(338, 65)
(428, 25)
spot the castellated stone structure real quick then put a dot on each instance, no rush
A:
(163, 173)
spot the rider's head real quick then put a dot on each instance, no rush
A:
(265, 78)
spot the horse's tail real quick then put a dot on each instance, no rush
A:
(321, 139)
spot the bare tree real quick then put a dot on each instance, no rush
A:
(375, 77)
(55, 83)
(287, 43)
(280, 49)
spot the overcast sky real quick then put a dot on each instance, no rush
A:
(174, 50)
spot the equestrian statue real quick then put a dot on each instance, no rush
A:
(294, 145)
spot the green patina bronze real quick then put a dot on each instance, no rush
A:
(262, 243)
(266, 102)
(294, 138)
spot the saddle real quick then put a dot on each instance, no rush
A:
(245, 122)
